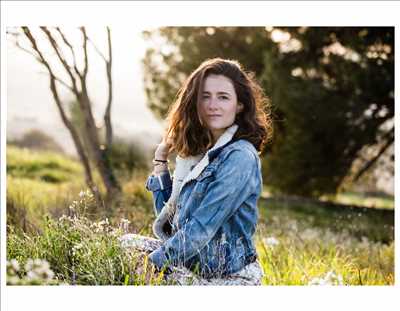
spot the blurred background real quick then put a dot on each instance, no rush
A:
(86, 108)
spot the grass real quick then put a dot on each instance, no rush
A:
(313, 245)
(304, 253)
(39, 183)
(373, 200)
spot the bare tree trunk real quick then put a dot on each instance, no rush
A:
(74, 134)
(78, 87)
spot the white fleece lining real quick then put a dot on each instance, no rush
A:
(202, 164)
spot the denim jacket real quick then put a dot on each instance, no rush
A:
(217, 213)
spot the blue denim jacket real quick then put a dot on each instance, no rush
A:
(216, 213)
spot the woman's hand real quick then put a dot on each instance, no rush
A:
(161, 154)
(162, 150)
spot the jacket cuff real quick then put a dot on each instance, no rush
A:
(159, 182)
(158, 258)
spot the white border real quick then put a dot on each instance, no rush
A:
(218, 13)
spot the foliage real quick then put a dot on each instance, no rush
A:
(127, 157)
(334, 92)
(80, 251)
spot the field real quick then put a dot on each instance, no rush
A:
(299, 242)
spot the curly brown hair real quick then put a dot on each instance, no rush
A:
(187, 134)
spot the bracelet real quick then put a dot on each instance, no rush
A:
(158, 162)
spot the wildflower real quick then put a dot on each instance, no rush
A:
(271, 241)
(76, 248)
(329, 279)
(12, 269)
(13, 266)
(124, 225)
(310, 234)
(38, 270)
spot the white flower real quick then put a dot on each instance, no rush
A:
(329, 279)
(124, 225)
(271, 241)
(310, 234)
(13, 263)
(82, 194)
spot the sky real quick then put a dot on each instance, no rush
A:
(30, 103)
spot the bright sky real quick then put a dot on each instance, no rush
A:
(30, 103)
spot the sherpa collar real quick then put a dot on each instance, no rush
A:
(225, 138)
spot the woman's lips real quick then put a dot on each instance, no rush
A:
(214, 116)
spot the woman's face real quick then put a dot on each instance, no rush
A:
(218, 105)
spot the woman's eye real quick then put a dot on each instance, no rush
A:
(223, 97)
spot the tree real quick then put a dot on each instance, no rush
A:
(331, 91)
(334, 90)
(61, 45)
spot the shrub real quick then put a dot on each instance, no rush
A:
(128, 156)
(38, 140)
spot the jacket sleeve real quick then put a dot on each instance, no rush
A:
(232, 185)
(161, 187)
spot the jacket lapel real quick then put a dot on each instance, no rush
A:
(198, 169)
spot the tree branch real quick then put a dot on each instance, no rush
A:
(19, 46)
(86, 65)
(71, 49)
(97, 49)
(107, 115)
(390, 139)
(61, 59)
(63, 83)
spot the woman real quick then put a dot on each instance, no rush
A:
(207, 214)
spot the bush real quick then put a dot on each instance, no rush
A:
(38, 140)
(128, 156)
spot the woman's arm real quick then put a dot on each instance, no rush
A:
(233, 184)
(159, 182)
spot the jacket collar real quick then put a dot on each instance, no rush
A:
(225, 139)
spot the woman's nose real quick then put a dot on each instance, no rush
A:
(213, 104)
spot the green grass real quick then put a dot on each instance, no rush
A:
(312, 241)
(307, 252)
(373, 201)
(39, 183)
(43, 166)
(81, 252)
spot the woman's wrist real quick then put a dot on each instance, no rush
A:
(160, 168)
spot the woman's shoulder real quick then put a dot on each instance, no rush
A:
(242, 149)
